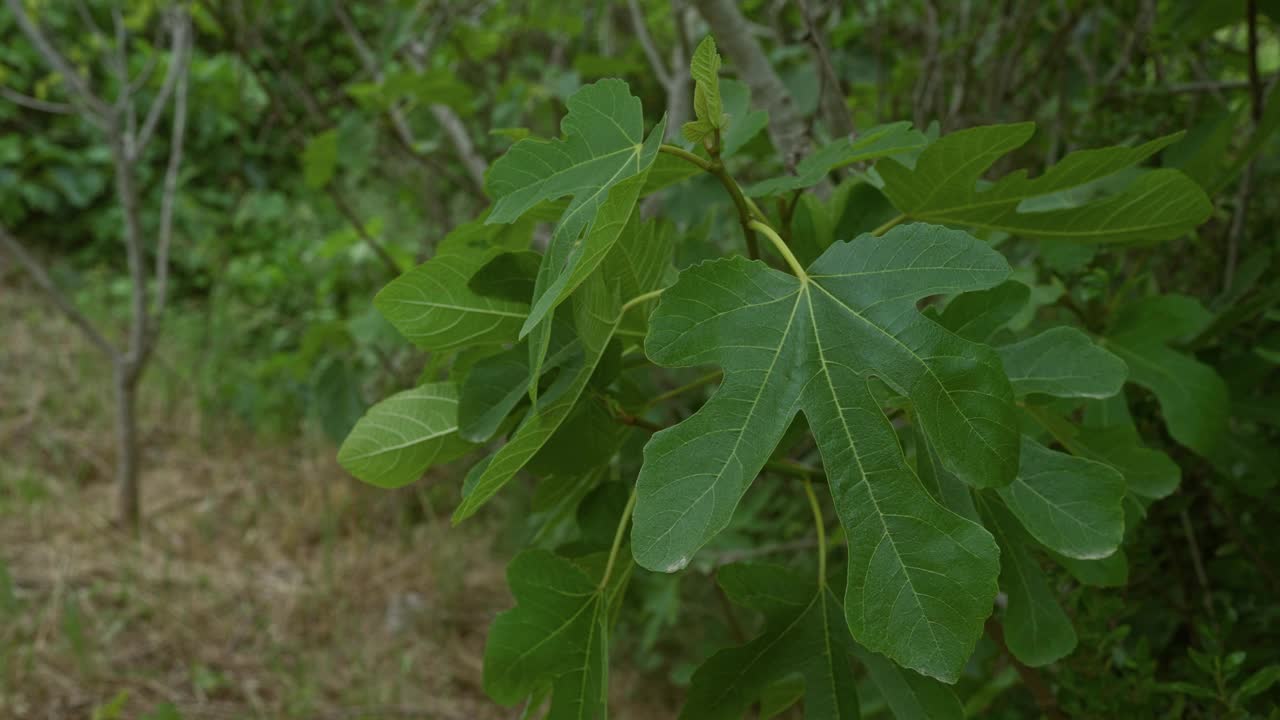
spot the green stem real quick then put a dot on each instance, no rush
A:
(895, 222)
(822, 532)
(755, 210)
(1057, 428)
(617, 539)
(686, 155)
(794, 469)
(640, 299)
(747, 209)
(781, 247)
(628, 419)
(705, 379)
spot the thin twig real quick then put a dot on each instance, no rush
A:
(747, 210)
(1197, 563)
(58, 63)
(178, 61)
(182, 57)
(1031, 677)
(448, 120)
(340, 202)
(42, 279)
(370, 61)
(1236, 231)
(660, 68)
(732, 556)
(27, 101)
(693, 385)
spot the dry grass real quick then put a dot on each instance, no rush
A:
(265, 584)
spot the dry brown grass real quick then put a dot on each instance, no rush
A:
(265, 584)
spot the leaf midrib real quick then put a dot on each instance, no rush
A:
(751, 413)
(862, 473)
(945, 392)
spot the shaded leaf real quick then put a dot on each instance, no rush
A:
(877, 142)
(435, 308)
(1109, 436)
(400, 437)
(320, 159)
(1071, 505)
(978, 315)
(1259, 682)
(944, 187)
(599, 163)
(557, 635)
(1147, 473)
(1192, 396)
(1062, 362)
(1110, 571)
(744, 123)
(908, 694)
(805, 633)
(596, 312)
(496, 384)
(1036, 629)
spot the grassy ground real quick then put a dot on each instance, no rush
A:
(266, 582)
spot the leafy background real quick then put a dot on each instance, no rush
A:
(269, 584)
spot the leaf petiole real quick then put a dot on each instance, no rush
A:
(694, 385)
(891, 224)
(639, 299)
(782, 248)
(748, 211)
(617, 539)
(822, 532)
(686, 155)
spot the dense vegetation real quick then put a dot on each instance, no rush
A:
(965, 311)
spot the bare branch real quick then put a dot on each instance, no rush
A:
(340, 201)
(45, 283)
(1207, 86)
(835, 112)
(124, 106)
(182, 27)
(457, 132)
(367, 58)
(928, 66)
(674, 78)
(86, 17)
(127, 194)
(181, 46)
(679, 95)
(660, 68)
(1256, 100)
(446, 117)
(57, 62)
(449, 121)
(678, 12)
(27, 101)
(371, 66)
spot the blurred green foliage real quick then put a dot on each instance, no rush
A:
(299, 190)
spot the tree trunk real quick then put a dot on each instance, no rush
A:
(128, 493)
